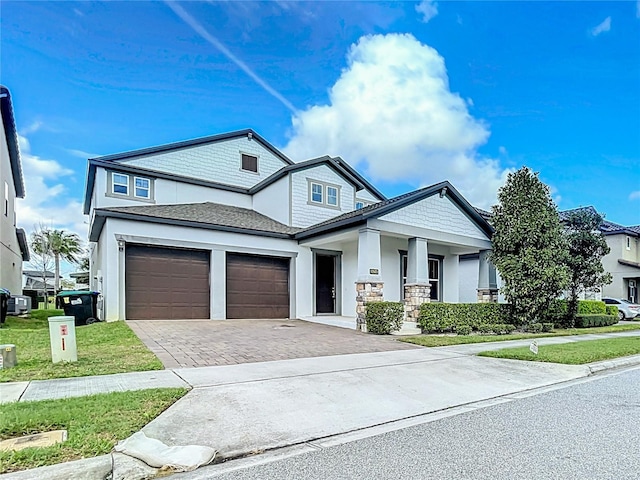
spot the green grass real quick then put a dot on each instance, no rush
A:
(103, 348)
(576, 353)
(446, 340)
(94, 424)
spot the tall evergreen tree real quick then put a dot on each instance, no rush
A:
(529, 248)
(587, 246)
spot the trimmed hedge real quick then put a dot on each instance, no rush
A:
(448, 317)
(384, 317)
(595, 320)
(591, 307)
(558, 310)
(612, 310)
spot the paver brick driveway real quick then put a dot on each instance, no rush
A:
(200, 343)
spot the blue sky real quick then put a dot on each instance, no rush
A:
(410, 93)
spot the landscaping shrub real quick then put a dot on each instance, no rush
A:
(597, 320)
(384, 317)
(463, 330)
(534, 328)
(547, 327)
(586, 307)
(447, 317)
(612, 310)
(502, 328)
(487, 328)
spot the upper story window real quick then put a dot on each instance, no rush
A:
(332, 196)
(324, 194)
(316, 193)
(6, 199)
(131, 187)
(142, 189)
(359, 205)
(249, 163)
(120, 183)
(628, 243)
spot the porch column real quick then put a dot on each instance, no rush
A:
(487, 283)
(369, 282)
(417, 290)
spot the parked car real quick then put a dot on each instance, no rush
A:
(626, 309)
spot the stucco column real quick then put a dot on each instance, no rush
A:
(417, 290)
(369, 282)
(487, 280)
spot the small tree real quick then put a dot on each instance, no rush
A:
(587, 246)
(60, 245)
(41, 260)
(529, 248)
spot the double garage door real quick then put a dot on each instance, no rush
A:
(171, 283)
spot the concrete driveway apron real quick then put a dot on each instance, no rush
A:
(202, 343)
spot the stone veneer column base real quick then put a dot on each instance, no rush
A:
(415, 294)
(366, 292)
(487, 295)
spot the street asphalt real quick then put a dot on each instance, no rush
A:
(590, 430)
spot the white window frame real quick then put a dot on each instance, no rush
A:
(114, 183)
(321, 192)
(148, 188)
(337, 196)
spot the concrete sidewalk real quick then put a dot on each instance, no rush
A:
(250, 408)
(220, 375)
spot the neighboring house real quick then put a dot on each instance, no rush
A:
(80, 280)
(229, 227)
(34, 282)
(13, 241)
(623, 262)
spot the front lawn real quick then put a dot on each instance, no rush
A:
(94, 424)
(103, 348)
(436, 340)
(575, 353)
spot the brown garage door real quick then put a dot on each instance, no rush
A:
(257, 287)
(166, 283)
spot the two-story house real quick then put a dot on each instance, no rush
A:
(228, 227)
(13, 241)
(623, 261)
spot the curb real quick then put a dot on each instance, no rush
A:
(630, 361)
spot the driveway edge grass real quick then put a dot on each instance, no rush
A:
(94, 424)
(103, 348)
(434, 340)
(572, 353)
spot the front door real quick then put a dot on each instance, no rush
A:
(325, 283)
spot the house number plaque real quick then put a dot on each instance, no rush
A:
(374, 271)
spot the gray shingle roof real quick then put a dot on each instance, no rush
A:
(208, 213)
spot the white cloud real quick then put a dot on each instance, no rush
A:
(428, 9)
(82, 154)
(634, 195)
(605, 26)
(392, 114)
(47, 199)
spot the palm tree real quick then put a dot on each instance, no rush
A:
(59, 244)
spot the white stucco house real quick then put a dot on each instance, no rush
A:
(13, 240)
(227, 227)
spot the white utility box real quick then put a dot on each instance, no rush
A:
(62, 332)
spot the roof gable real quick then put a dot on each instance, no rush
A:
(377, 210)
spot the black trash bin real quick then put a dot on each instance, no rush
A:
(80, 304)
(4, 304)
